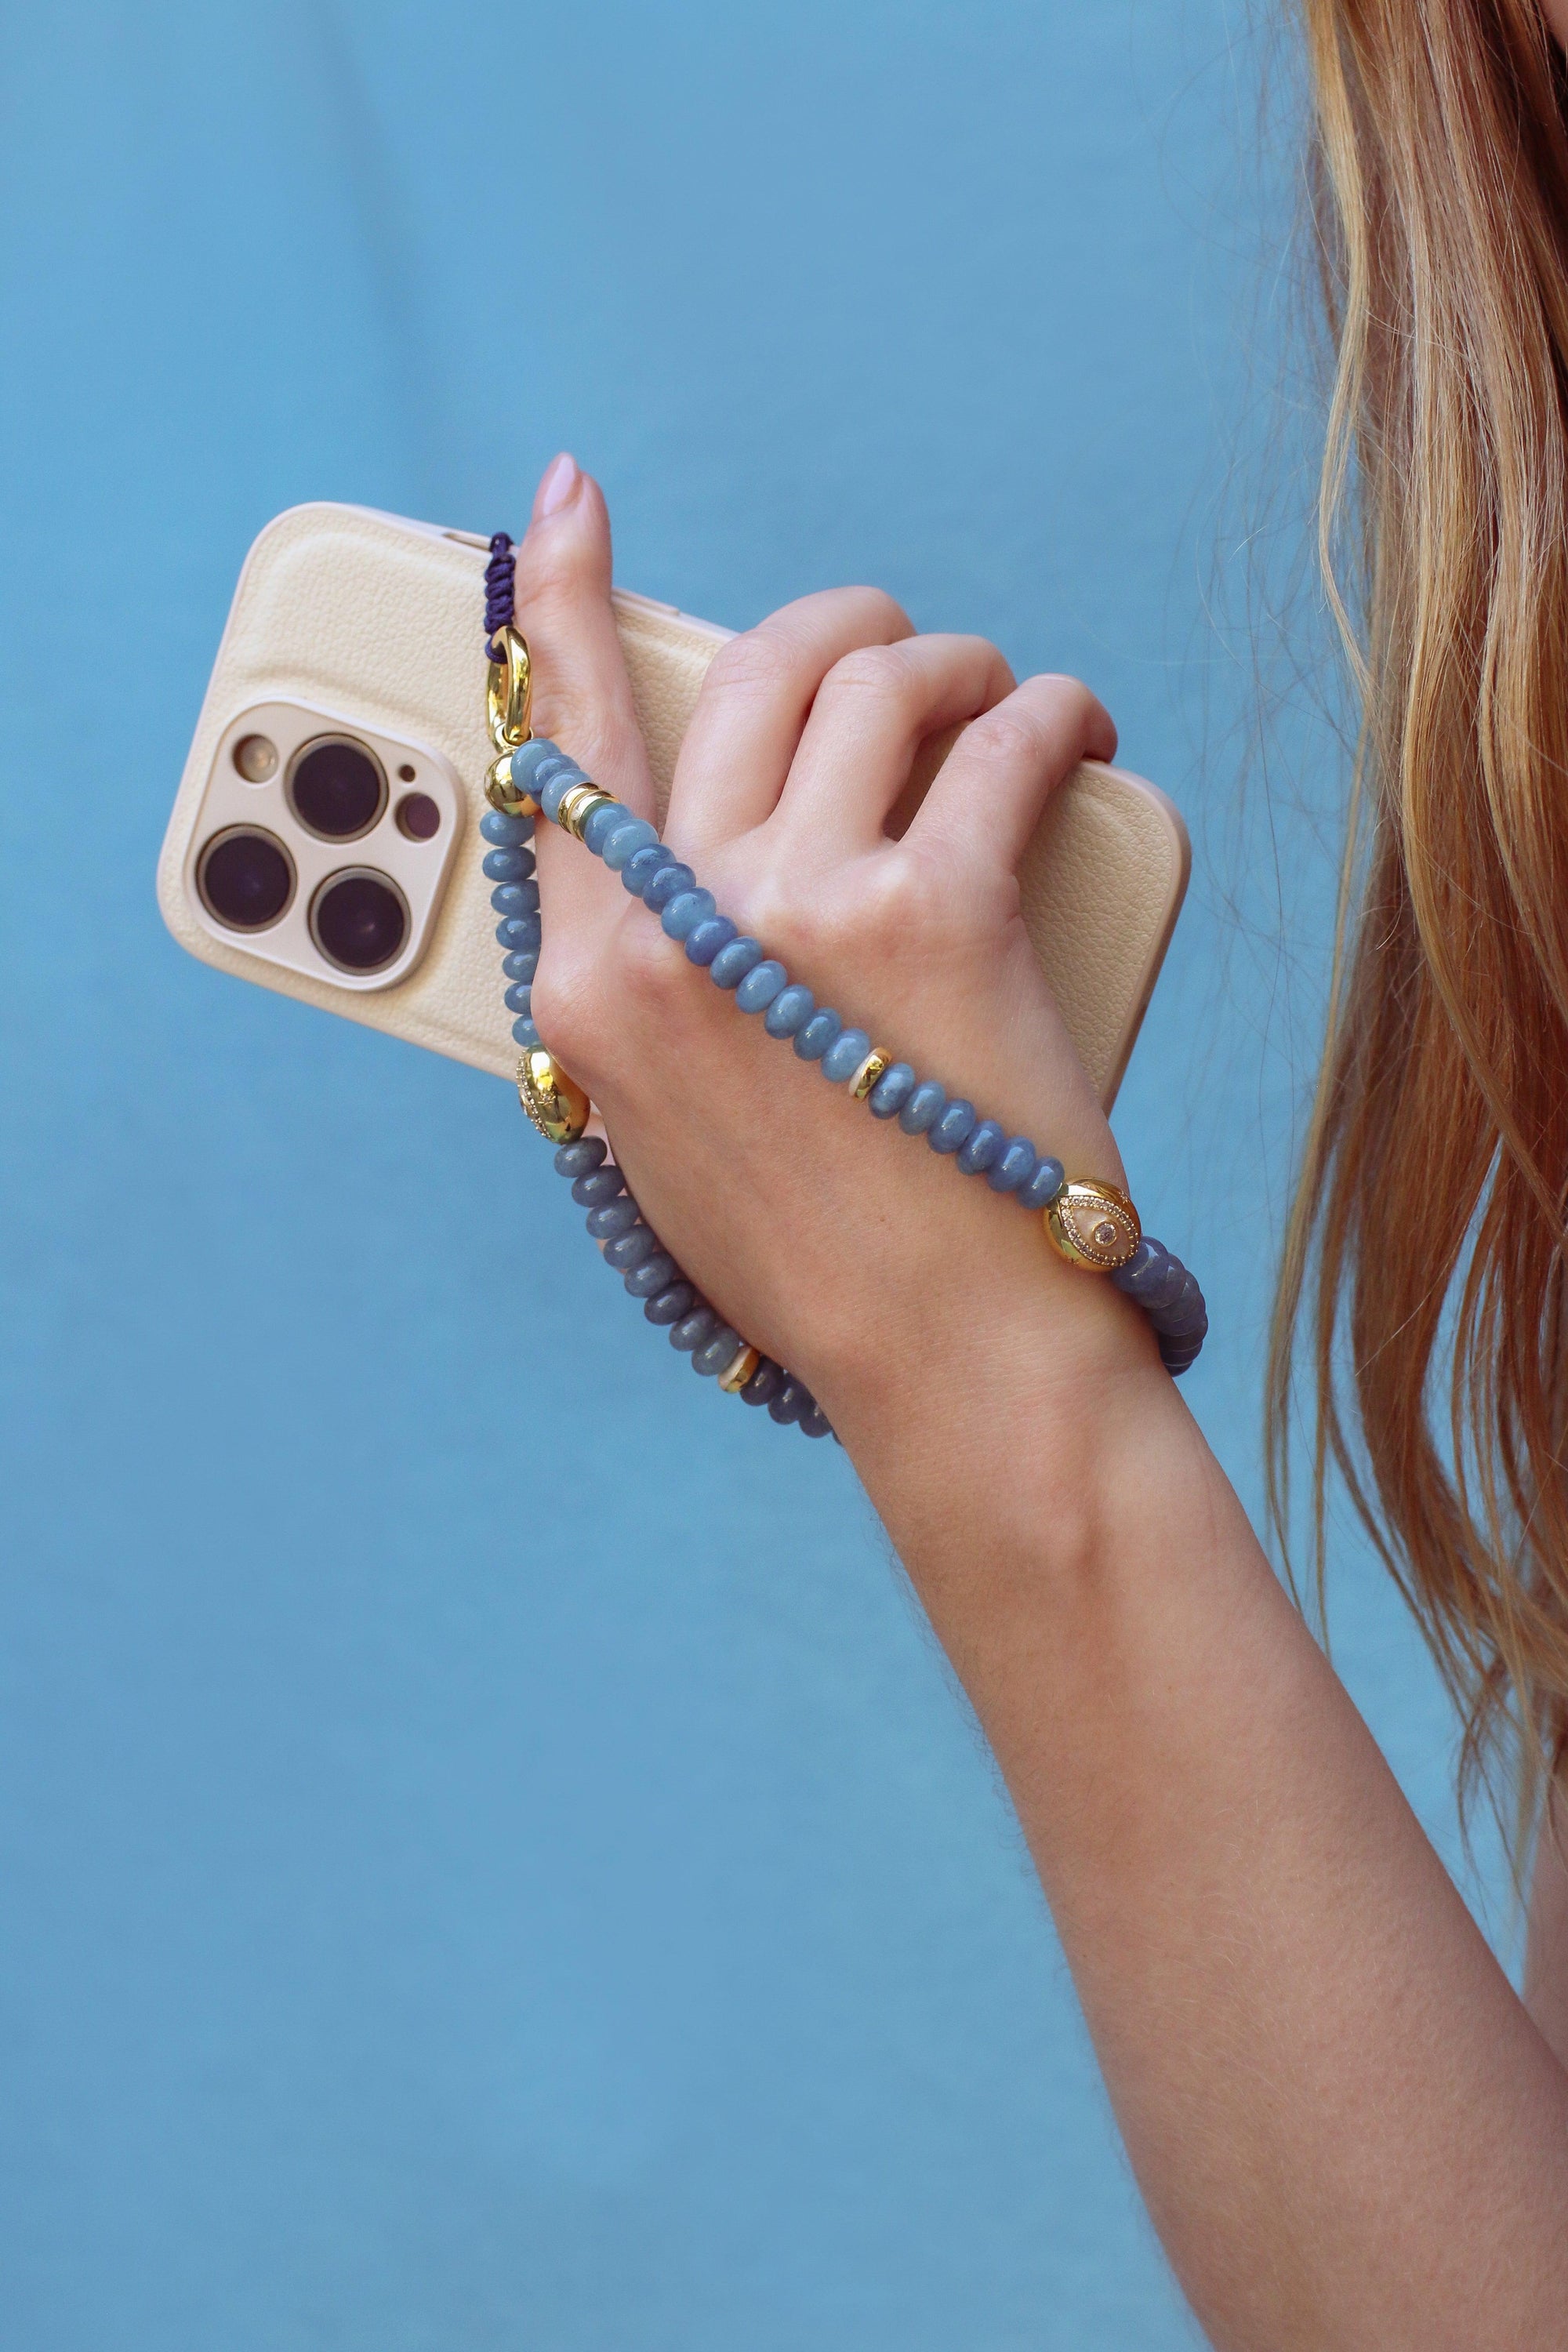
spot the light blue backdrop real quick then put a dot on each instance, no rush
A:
(431, 1920)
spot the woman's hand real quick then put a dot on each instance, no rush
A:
(840, 1246)
(1348, 2130)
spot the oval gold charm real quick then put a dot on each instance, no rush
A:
(509, 691)
(1094, 1225)
(554, 1102)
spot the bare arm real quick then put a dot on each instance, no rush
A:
(1348, 2129)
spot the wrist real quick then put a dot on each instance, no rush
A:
(1004, 1441)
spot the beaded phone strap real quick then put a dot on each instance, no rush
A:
(1091, 1224)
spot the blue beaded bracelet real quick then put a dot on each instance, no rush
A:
(1091, 1224)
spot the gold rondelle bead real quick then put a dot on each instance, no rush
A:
(739, 1371)
(503, 794)
(577, 806)
(869, 1071)
(554, 1102)
(1093, 1225)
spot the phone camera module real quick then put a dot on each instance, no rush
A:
(336, 788)
(246, 879)
(360, 921)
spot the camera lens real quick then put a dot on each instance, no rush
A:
(336, 789)
(245, 878)
(358, 920)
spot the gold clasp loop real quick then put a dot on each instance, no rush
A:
(510, 694)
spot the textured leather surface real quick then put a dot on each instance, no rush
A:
(374, 619)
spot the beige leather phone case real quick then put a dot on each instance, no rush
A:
(374, 622)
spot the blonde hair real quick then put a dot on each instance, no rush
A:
(1424, 1265)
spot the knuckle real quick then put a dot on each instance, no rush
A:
(886, 612)
(1015, 734)
(883, 672)
(761, 661)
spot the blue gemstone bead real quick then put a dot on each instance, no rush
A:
(519, 998)
(952, 1127)
(845, 1055)
(581, 1158)
(982, 1148)
(637, 1243)
(1161, 1288)
(554, 783)
(703, 940)
(667, 884)
(643, 865)
(761, 985)
(519, 932)
(623, 841)
(1142, 1270)
(671, 1305)
(653, 1274)
(813, 1040)
(527, 1036)
(526, 762)
(764, 1384)
(792, 1402)
(694, 1330)
(682, 913)
(515, 898)
(891, 1091)
(601, 825)
(1174, 1322)
(717, 1354)
(521, 965)
(506, 832)
(612, 1218)
(1044, 1185)
(1017, 1164)
(732, 963)
(789, 1011)
(508, 865)
(599, 1184)
(923, 1108)
(815, 1423)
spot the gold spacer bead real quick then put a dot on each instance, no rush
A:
(1093, 1225)
(740, 1369)
(555, 1103)
(577, 806)
(503, 794)
(869, 1071)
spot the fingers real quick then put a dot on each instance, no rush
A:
(871, 713)
(755, 701)
(991, 790)
(582, 696)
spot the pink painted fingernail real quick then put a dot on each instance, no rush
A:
(561, 479)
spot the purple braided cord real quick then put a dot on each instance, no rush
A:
(500, 574)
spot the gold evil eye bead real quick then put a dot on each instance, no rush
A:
(554, 1102)
(1093, 1225)
(503, 794)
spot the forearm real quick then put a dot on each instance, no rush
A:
(1347, 2129)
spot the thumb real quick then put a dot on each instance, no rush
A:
(582, 695)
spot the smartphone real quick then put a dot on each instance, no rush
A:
(337, 772)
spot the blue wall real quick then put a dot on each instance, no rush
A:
(427, 1921)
